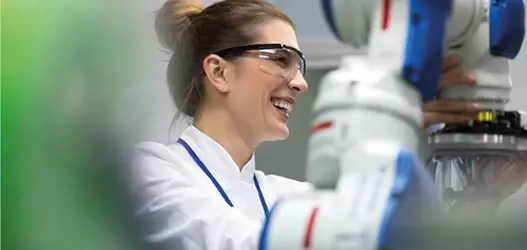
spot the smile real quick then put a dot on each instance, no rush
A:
(282, 105)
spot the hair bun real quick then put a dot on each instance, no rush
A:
(173, 19)
(187, 8)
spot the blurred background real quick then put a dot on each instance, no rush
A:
(97, 65)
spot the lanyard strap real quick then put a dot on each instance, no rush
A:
(261, 196)
(215, 182)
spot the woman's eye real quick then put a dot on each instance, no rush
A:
(282, 61)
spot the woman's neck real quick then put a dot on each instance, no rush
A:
(219, 126)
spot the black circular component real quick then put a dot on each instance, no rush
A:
(494, 122)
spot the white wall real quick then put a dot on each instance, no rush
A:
(147, 111)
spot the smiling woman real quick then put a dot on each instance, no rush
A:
(236, 69)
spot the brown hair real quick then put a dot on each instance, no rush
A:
(192, 32)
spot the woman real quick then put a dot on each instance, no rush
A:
(236, 70)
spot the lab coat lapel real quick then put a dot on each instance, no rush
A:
(217, 160)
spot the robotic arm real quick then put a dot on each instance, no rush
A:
(367, 118)
(487, 35)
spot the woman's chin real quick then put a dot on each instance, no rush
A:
(278, 132)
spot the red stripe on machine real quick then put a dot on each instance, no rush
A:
(309, 228)
(321, 126)
(386, 7)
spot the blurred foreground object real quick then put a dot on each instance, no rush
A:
(62, 64)
(373, 192)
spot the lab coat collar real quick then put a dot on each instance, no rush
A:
(216, 158)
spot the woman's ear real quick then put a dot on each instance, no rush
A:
(215, 69)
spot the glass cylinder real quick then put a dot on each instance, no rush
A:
(476, 172)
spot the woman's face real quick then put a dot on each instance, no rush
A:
(262, 89)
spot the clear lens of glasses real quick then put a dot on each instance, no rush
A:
(282, 62)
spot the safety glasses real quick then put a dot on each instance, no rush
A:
(280, 60)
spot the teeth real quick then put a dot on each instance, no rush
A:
(282, 104)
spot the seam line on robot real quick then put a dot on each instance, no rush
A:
(367, 107)
(386, 7)
(310, 228)
(321, 126)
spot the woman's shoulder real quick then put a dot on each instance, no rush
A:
(153, 158)
(156, 150)
(283, 185)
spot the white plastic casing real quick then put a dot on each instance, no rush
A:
(361, 104)
(348, 218)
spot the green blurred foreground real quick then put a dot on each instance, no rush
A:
(62, 62)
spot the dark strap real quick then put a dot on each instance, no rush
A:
(215, 182)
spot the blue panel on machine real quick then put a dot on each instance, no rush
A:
(425, 44)
(507, 27)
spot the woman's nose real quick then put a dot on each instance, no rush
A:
(299, 84)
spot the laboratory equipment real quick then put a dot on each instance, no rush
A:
(367, 118)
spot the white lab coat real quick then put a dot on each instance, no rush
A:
(184, 209)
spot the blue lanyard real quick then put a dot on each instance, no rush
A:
(215, 182)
